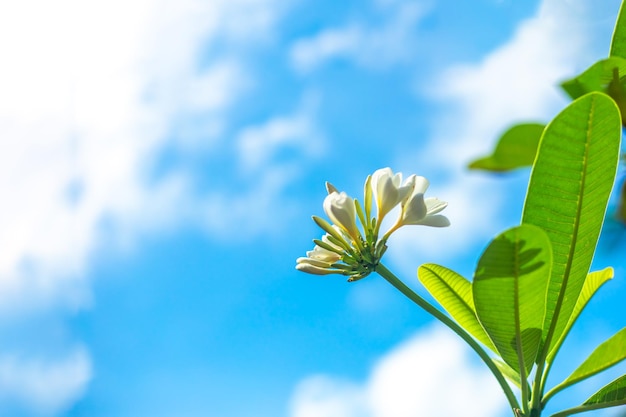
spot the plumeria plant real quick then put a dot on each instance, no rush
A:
(531, 282)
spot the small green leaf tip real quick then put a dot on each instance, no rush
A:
(516, 148)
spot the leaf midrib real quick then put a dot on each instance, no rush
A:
(572, 249)
(469, 307)
(518, 330)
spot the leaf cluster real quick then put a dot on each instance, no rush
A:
(532, 281)
(517, 146)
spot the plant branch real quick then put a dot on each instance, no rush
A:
(404, 289)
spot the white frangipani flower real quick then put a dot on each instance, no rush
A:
(309, 268)
(388, 190)
(420, 185)
(339, 207)
(324, 255)
(320, 260)
(356, 251)
(419, 210)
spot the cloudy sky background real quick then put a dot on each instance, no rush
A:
(159, 164)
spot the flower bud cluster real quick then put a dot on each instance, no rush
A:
(348, 249)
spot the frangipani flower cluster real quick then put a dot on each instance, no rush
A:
(348, 249)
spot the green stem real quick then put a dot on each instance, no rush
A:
(539, 386)
(545, 398)
(396, 282)
(543, 366)
(551, 393)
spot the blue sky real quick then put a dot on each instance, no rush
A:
(160, 163)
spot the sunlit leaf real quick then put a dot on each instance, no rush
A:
(593, 282)
(567, 196)
(516, 148)
(597, 78)
(605, 76)
(454, 293)
(608, 354)
(618, 43)
(611, 394)
(509, 289)
(510, 373)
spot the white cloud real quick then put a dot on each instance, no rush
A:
(91, 94)
(430, 374)
(228, 214)
(516, 82)
(269, 158)
(309, 53)
(258, 146)
(326, 396)
(368, 46)
(43, 387)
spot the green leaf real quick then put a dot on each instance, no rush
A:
(606, 76)
(567, 197)
(592, 283)
(509, 289)
(610, 395)
(609, 353)
(454, 293)
(516, 148)
(510, 373)
(598, 77)
(618, 43)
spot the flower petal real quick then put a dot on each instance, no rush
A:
(421, 185)
(324, 255)
(380, 173)
(414, 210)
(311, 269)
(407, 188)
(437, 220)
(314, 262)
(434, 205)
(388, 190)
(387, 196)
(339, 207)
